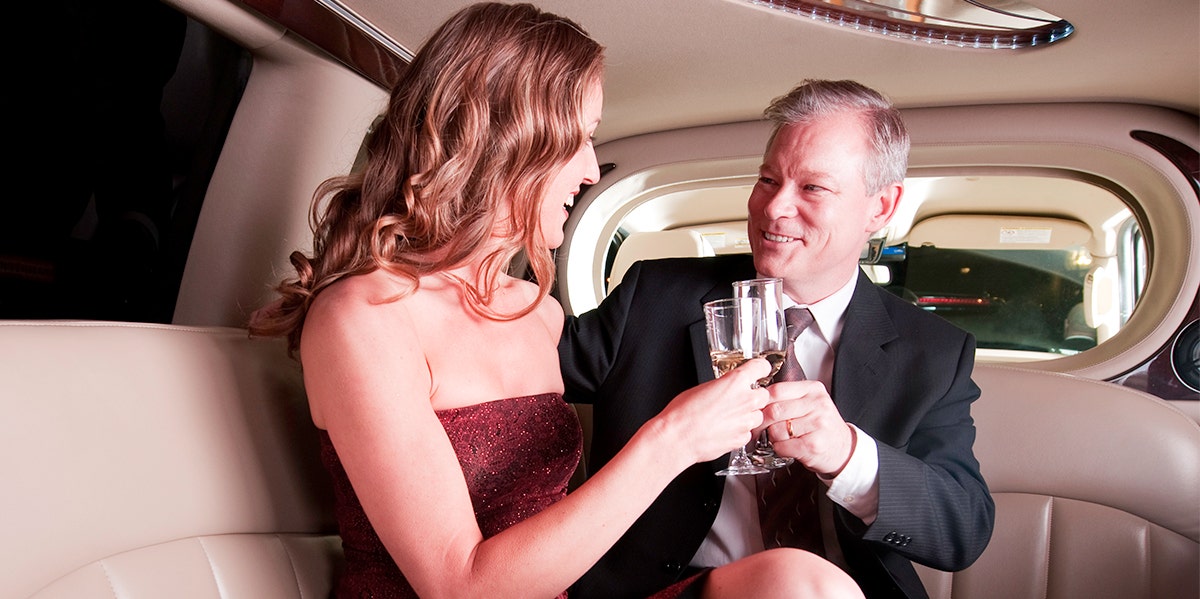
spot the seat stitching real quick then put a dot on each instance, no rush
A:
(1149, 548)
(107, 578)
(292, 563)
(1049, 547)
(212, 567)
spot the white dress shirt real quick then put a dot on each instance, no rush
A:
(736, 532)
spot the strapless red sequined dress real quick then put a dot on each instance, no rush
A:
(517, 454)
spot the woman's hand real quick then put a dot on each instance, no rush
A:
(708, 420)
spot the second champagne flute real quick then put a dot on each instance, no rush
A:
(776, 348)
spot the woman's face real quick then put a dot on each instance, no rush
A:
(581, 169)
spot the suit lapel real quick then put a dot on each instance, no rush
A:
(699, 334)
(861, 367)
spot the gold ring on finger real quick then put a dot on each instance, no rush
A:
(791, 434)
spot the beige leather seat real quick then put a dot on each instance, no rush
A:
(682, 243)
(169, 461)
(158, 461)
(1097, 491)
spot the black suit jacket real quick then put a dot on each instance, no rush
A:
(900, 374)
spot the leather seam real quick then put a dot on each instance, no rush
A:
(108, 578)
(1049, 547)
(212, 567)
(292, 564)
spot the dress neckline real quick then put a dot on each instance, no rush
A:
(552, 395)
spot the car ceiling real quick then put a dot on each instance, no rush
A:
(675, 64)
(681, 63)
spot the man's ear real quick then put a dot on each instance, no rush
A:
(886, 203)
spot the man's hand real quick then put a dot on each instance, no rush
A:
(803, 423)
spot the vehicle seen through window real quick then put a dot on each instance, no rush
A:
(1030, 286)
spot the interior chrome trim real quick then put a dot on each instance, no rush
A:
(912, 23)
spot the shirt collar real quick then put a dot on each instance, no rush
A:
(829, 314)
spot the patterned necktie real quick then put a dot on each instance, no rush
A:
(787, 497)
(798, 319)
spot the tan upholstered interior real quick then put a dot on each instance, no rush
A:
(173, 461)
(1097, 491)
(996, 232)
(158, 461)
(656, 244)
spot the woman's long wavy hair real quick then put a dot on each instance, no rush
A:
(489, 111)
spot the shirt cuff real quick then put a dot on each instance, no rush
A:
(857, 487)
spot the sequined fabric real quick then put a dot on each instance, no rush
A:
(517, 454)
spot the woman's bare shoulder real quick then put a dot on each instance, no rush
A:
(361, 345)
(359, 308)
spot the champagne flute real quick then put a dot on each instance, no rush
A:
(770, 292)
(735, 334)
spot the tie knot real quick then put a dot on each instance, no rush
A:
(798, 319)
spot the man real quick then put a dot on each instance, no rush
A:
(883, 418)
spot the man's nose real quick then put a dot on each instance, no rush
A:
(779, 204)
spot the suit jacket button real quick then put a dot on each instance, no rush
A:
(711, 506)
(672, 567)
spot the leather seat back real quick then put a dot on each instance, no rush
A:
(155, 461)
(158, 461)
(1097, 491)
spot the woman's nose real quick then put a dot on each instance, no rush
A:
(592, 174)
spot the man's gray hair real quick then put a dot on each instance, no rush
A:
(886, 133)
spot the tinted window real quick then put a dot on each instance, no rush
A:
(117, 128)
(1009, 299)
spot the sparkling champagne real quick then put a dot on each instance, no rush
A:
(776, 358)
(725, 361)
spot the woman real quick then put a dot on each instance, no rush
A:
(433, 374)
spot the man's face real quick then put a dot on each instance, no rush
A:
(810, 213)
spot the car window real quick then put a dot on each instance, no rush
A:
(1035, 265)
(1023, 300)
(132, 105)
